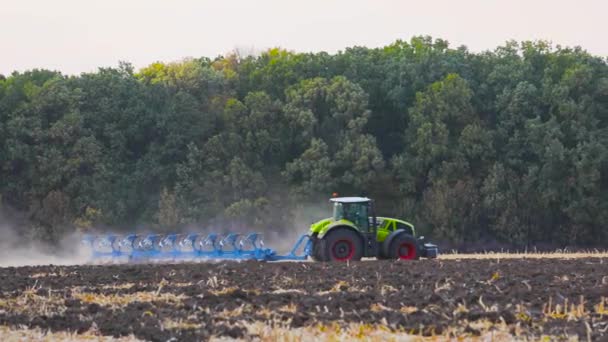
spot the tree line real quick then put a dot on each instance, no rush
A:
(509, 145)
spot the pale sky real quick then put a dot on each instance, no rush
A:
(75, 36)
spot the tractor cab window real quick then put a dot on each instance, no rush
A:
(338, 211)
(360, 217)
(356, 213)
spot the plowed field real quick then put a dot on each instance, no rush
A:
(481, 299)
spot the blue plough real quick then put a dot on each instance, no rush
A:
(184, 247)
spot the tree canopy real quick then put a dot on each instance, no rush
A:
(509, 145)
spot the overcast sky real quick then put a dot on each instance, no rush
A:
(80, 35)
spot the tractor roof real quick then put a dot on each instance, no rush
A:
(350, 199)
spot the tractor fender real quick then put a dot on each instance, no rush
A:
(319, 226)
(342, 223)
(387, 242)
(409, 229)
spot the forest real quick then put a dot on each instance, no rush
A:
(508, 146)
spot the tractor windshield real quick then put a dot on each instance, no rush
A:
(338, 211)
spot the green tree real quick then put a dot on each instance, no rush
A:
(507, 145)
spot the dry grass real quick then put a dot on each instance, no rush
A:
(281, 291)
(365, 332)
(290, 308)
(9, 335)
(118, 300)
(181, 324)
(30, 303)
(378, 307)
(408, 309)
(341, 286)
(235, 313)
(569, 311)
(232, 289)
(525, 255)
(61, 273)
(602, 307)
(120, 286)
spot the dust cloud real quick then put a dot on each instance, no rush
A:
(16, 250)
(283, 240)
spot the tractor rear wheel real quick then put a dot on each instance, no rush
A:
(343, 244)
(404, 247)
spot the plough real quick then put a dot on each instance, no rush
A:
(184, 247)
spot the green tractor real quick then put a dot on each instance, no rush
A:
(355, 232)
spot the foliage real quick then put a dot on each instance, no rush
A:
(508, 145)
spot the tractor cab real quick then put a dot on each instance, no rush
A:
(354, 209)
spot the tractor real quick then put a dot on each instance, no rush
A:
(354, 232)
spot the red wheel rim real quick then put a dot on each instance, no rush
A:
(406, 251)
(343, 250)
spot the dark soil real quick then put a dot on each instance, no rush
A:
(422, 297)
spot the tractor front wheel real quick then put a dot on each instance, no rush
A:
(343, 244)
